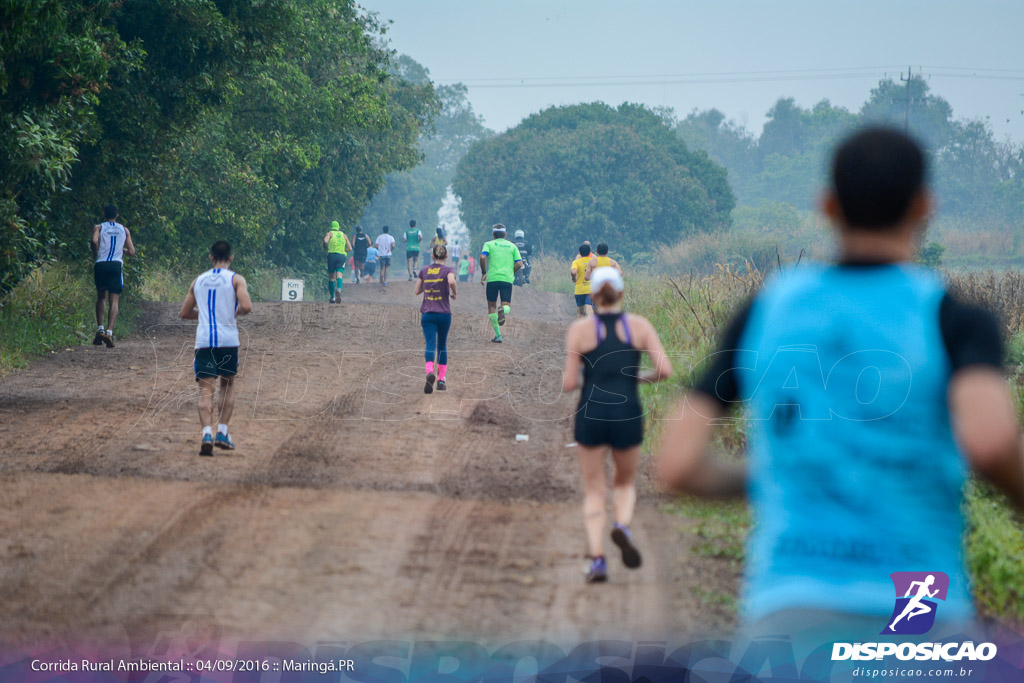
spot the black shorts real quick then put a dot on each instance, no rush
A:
(216, 362)
(412, 254)
(496, 288)
(463, 278)
(385, 261)
(336, 263)
(616, 432)
(108, 276)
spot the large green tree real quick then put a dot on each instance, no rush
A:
(55, 57)
(592, 171)
(256, 121)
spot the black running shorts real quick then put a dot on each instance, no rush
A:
(216, 362)
(336, 263)
(496, 288)
(108, 276)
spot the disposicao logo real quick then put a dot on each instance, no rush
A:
(916, 593)
(914, 614)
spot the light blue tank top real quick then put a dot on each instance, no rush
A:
(854, 473)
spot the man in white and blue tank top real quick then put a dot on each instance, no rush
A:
(869, 392)
(110, 242)
(216, 299)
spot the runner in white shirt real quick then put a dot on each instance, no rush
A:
(215, 299)
(110, 242)
(385, 245)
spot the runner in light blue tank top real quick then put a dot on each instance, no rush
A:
(870, 392)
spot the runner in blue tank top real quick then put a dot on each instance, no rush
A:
(869, 392)
(216, 298)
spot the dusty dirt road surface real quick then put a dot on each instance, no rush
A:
(354, 507)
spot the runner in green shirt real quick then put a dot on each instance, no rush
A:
(464, 268)
(499, 261)
(337, 245)
(412, 238)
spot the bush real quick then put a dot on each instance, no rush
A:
(52, 308)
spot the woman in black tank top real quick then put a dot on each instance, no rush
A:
(603, 359)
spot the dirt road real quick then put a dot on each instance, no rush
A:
(355, 506)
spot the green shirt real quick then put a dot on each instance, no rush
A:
(412, 239)
(336, 245)
(464, 267)
(501, 260)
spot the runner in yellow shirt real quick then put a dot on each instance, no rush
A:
(578, 273)
(602, 259)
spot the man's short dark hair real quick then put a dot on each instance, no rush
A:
(584, 249)
(876, 174)
(386, 229)
(110, 212)
(412, 224)
(220, 251)
(602, 249)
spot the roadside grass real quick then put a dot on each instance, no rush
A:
(50, 310)
(551, 274)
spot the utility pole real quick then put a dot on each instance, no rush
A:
(906, 115)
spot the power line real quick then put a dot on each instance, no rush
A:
(822, 70)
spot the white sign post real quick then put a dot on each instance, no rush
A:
(291, 290)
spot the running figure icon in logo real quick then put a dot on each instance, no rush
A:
(917, 589)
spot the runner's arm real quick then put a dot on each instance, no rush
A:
(650, 343)
(94, 243)
(129, 246)
(188, 308)
(573, 360)
(483, 267)
(242, 295)
(451, 284)
(348, 242)
(683, 461)
(615, 264)
(419, 286)
(573, 273)
(589, 270)
(985, 424)
(327, 239)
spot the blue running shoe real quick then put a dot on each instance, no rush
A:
(622, 538)
(598, 572)
(206, 448)
(224, 441)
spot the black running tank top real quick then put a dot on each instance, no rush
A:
(610, 372)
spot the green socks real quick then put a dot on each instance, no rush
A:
(506, 309)
(330, 287)
(494, 323)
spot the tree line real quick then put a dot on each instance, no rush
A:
(975, 176)
(256, 122)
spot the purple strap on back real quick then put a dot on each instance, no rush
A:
(625, 327)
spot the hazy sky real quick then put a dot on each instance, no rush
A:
(520, 57)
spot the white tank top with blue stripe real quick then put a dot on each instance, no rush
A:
(112, 238)
(216, 301)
